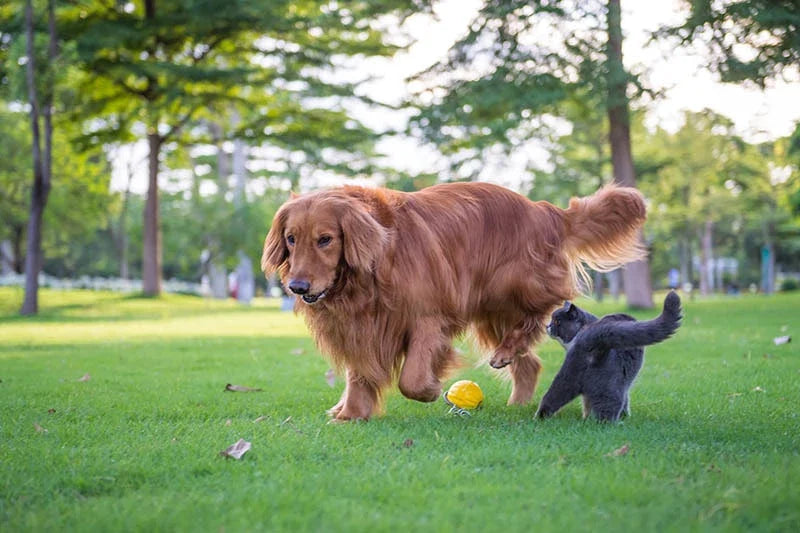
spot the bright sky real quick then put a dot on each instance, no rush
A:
(680, 73)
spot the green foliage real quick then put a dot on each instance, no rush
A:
(705, 172)
(747, 40)
(520, 64)
(711, 443)
(79, 199)
(186, 61)
(789, 284)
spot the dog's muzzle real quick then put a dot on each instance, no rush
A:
(311, 299)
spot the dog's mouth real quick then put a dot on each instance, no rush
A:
(311, 299)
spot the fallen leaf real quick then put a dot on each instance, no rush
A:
(38, 428)
(51, 410)
(260, 419)
(408, 443)
(330, 377)
(240, 388)
(619, 451)
(297, 351)
(758, 389)
(228, 422)
(236, 450)
(734, 394)
(785, 339)
(85, 377)
(713, 468)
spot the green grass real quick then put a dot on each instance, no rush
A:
(714, 437)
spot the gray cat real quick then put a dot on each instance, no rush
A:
(603, 357)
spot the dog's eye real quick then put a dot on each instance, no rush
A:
(290, 240)
(324, 241)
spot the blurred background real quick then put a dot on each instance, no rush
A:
(145, 146)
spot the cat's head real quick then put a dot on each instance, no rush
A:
(566, 322)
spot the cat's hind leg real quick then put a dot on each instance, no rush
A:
(587, 407)
(626, 408)
(606, 407)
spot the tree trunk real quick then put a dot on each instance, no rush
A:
(238, 162)
(598, 285)
(6, 258)
(768, 260)
(151, 240)
(686, 261)
(614, 284)
(636, 275)
(223, 166)
(706, 259)
(41, 168)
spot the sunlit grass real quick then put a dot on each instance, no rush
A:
(714, 437)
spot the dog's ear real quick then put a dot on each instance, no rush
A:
(275, 251)
(364, 238)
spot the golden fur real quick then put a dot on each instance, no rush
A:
(398, 275)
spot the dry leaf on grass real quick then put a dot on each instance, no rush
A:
(240, 388)
(619, 451)
(38, 428)
(51, 410)
(228, 422)
(236, 450)
(297, 351)
(260, 419)
(330, 377)
(85, 377)
(408, 443)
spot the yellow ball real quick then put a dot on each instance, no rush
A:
(464, 394)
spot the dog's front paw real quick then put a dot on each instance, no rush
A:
(501, 358)
(346, 416)
(336, 409)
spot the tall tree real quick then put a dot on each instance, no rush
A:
(42, 158)
(521, 64)
(636, 275)
(163, 64)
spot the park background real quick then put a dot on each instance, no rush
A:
(145, 146)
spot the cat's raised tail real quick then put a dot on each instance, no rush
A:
(629, 334)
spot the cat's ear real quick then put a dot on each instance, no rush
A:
(568, 306)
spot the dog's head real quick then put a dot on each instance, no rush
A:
(314, 237)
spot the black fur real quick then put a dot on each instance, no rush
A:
(603, 357)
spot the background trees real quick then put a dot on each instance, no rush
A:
(225, 107)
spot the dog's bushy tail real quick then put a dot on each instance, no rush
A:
(602, 230)
(629, 334)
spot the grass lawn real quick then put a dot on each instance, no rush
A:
(714, 440)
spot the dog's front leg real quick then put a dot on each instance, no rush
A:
(428, 358)
(358, 401)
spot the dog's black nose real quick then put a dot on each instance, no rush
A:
(299, 286)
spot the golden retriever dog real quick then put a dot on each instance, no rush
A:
(386, 279)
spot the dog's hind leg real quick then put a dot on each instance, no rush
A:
(525, 370)
(428, 358)
(517, 341)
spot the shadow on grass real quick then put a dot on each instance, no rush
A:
(133, 307)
